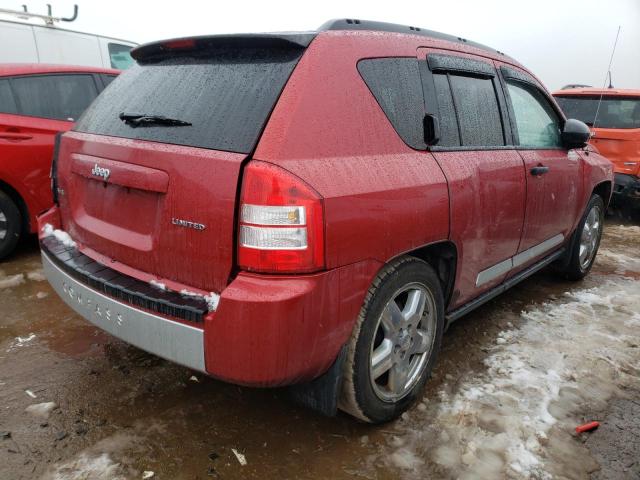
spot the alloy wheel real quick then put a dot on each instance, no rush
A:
(590, 236)
(404, 337)
(4, 225)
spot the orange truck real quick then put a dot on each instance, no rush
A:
(616, 132)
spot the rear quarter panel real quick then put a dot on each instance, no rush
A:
(381, 197)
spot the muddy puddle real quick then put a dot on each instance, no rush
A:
(514, 379)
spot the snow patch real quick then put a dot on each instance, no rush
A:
(20, 341)
(84, 466)
(98, 462)
(62, 236)
(212, 301)
(41, 295)
(12, 281)
(41, 410)
(37, 275)
(405, 459)
(622, 262)
(496, 424)
(188, 293)
(157, 284)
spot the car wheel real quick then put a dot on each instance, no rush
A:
(10, 225)
(587, 240)
(395, 342)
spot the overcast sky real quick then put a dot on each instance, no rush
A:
(561, 41)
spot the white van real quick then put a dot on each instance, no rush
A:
(23, 42)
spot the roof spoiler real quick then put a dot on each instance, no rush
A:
(189, 46)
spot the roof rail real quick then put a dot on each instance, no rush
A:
(356, 24)
(48, 19)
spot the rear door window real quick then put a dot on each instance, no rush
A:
(477, 110)
(7, 102)
(537, 123)
(59, 97)
(226, 95)
(396, 85)
(449, 133)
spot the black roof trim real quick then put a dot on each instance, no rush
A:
(355, 24)
(287, 40)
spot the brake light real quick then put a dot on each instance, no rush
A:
(180, 44)
(281, 226)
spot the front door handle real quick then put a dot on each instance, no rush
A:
(539, 170)
(15, 136)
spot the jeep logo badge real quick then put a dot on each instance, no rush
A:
(100, 172)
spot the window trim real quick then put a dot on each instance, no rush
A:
(439, 62)
(530, 85)
(53, 74)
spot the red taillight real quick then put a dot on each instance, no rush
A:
(281, 226)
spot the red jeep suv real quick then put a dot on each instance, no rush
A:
(316, 208)
(36, 102)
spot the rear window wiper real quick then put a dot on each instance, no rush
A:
(145, 120)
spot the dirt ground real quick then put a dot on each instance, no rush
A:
(514, 380)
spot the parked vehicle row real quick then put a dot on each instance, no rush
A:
(48, 43)
(37, 101)
(314, 209)
(614, 117)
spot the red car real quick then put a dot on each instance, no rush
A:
(316, 208)
(36, 102)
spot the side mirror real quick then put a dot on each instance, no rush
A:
(431, 129)
(575, 134)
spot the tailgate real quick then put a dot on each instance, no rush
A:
(163, 209)
(159, 195)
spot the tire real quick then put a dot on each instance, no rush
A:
(586, 242)
(404, 346)
(10, 225)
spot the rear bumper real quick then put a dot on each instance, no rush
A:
(626, 190)
(172, 340)
(267, 330)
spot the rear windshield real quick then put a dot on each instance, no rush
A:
(226, 96)
(614, 112)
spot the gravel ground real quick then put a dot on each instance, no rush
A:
(514, 380)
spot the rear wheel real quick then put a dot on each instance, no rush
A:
(587, 241)
(10, 225)
(395, 342)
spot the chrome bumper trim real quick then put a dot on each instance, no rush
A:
(171, 340)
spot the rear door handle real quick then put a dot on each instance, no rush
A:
(539, 170)
(15, 136)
